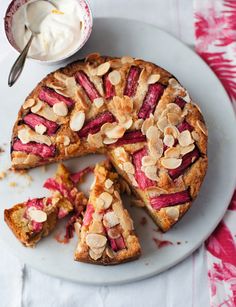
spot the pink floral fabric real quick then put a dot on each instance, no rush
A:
(215, 32)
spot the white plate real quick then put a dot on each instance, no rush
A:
(124, 37)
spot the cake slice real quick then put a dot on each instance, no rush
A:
(36, 218)
(106, 235)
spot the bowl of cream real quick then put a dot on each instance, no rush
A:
(63, 31)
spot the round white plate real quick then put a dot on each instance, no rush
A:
(124, 37)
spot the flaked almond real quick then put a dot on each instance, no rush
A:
(100, 203)
(185, 138)
(113, 233)
(108, 183)
(195, 136)
(116, 132)
(169, 140)
(173, 118)
(77, 121)
(98, 102)
(95, 140)
(65, 140)
(151, 172)
(127, 124)
(47, 112)
(97, 216)
(110, 253)
(108, 141)
(29, 103)
(60, 109)
(133, 180)
(153, 78)
(93, 255)
(37, 107)
(110, 219)
(99, 250)
(147, 124)
(202, 127)
(137, 125)
(171, 130)
(107, 199)
(173, 152)
(187, 149)
(121, 154)
(27, 135)
(128, 168)
(162, 123)
(152, 133)
(127, 59)
(156, 148)
(173, 108)
(173, 213)
(96, 227)
(171, 163)
(94, 240)
(38, 216)
(103, 68)
(148, 160)
(77, 227)
(114, 77)
(41, 129)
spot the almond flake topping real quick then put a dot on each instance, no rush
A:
(110, 219)
(152, 133)
(65, 140)
(148, 160)
(173, 213)
(147, 124)
(47, 112)
(187, 149)
(94, 240)
(113, 233)
(171, 163)
(116, 132)
(41, 129)
(127, 124)
(151, 172)
(153, 78)
(108, 184)
(106, 198)
(38, 216)
(173, 118)
(98, 102)
(95, 140)
(110, 252)
(156, 148)
(121, 154)
(103, 68)
(28, 103)
(114, 77)
(171, 130)
(185, 138)
(137, 125)
(60, 109)
(202, 127)
(77, 121)
(26, 135)
(93, 255)
(162, 123)
(173, 152)
(127, 59)
(169, 140)
(108, 141)
(128, 168)
(37, 107)
(195, 136)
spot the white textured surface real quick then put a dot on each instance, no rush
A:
(185, 284)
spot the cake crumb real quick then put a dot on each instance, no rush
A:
(1, 150)
(143, 221)
(162, 243)
(178, 243)
(12, 184)
(2, 175)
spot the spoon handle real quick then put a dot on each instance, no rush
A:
(19, 64)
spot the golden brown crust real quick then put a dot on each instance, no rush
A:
(124, 109)
(123, 226)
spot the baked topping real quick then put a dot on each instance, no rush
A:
(77, 120)
(108, 87)
(34, 121)
(114, 77)
(132, 81)
(173, 199)
(37, 149)
(51, 97)
(131, 137)
(87, 85)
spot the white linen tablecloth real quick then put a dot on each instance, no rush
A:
(185, 285)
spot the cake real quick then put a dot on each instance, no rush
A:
(134, 112)
(37, 217)
(106, 235)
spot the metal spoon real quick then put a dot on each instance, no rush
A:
(34, 26)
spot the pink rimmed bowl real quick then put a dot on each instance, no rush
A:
(87, 29)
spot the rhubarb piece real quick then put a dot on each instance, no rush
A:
(185, 126)
(37, 149)
(106, 235)
(87, 85)
(131, 137)
(33, 120)
(180, 102)
(108, 87)
(173, 199)
(154, 93)
(94, 125)
(140, 176)
(51, 97)
(53, 185)
(77, 177)
(187, 160)
(132, 81)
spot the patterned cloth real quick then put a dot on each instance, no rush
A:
(215, 32)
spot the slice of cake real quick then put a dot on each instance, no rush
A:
(106, 235)
(36, 218)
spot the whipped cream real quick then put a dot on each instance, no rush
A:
(60, 28)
